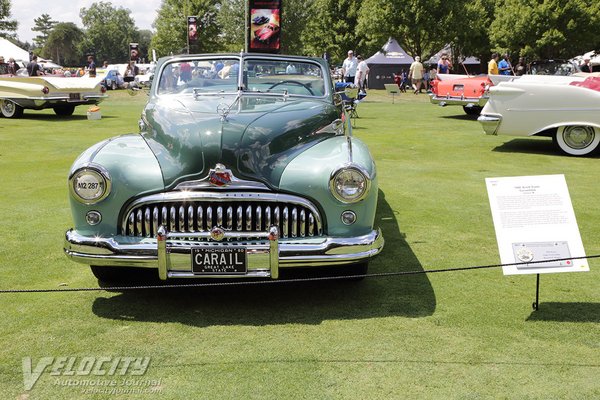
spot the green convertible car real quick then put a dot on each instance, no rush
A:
(241, 169)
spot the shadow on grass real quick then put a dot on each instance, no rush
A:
(461, 117)
(300, 302)
(566, 312)
(537, 145)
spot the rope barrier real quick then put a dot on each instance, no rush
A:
(283, 281)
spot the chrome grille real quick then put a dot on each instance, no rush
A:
(240, 212)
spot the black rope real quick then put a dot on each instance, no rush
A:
(282, 281)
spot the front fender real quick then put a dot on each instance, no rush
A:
(309, 174)
(133, 170)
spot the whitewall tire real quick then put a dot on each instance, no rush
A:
(578, 140)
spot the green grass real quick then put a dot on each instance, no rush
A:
(461, 335)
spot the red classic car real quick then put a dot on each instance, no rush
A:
(462, 90)
(266, 33)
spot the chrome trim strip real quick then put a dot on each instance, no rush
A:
(458, 101)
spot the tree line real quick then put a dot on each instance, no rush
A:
(535, 29)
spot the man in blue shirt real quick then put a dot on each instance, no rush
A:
(504, 66)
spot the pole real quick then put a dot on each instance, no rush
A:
(536, 303)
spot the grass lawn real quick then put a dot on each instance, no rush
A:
(460, 335)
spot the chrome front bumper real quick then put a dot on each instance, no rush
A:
(490, 123)
(458, 101)
(171, 252)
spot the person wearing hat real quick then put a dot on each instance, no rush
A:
(415, 74)
(586, 67)
(349, 67)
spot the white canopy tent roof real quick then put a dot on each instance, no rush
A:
(593, 55)
(8, 50)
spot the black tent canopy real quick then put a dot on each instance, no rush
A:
(390, 60)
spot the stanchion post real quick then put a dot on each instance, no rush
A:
(536, 303)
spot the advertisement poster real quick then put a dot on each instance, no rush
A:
(265, 26)
(535, 225)
(134, 52)
(192, 23)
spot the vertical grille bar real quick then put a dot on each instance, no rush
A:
(284, 220)
(267, 217)
(190, 219)
(294, 222)
(131, 224)
(181, 218)
(172, 219)
(138, 223)
(249, 218)
(302, 223)
(219, 216)
(155, 223)
(147, 221)
(239, 213)
(229, 217)
(209, 216)
(258, 218)
(311, 225)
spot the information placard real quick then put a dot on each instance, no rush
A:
(534, 221)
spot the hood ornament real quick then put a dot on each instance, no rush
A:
(220, 175)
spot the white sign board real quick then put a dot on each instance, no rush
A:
(534, 221)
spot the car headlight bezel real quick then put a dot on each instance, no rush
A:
(356, 171)
(96, 180)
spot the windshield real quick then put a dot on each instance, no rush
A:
(221, 75)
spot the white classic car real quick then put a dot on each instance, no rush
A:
(47, 91)
(565, 108)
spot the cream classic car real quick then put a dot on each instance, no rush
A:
(564, 108)
(36, 93)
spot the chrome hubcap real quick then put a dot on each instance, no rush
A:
(578, 137)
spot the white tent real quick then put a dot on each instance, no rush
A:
(8, 50)
(593, 55)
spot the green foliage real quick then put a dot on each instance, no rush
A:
(545, 28)
(108, 31)
(232, 25)
(331, 28)
(63, 44)
(44, 25)
(171, 27)
(8, 27)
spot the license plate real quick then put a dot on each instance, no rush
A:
(74, 96)
(219, 261)
(459, 88)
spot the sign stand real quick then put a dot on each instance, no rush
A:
(536, 303)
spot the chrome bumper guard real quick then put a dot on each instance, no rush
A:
(490, 123)
(170, 252)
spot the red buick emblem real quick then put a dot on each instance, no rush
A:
(219, 178)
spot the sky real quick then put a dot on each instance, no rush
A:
(143, 12)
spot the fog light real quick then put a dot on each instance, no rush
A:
(93, 217)
(348, 217)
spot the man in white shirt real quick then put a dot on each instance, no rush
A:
(362, 71)
(416, 74)
(349, 67)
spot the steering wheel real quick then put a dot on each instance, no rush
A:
(293, 82)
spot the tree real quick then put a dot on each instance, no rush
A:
(143, 39)
(171, 27)
(545, 28)
(8, 28)
(44, 25)
(62, 44)
(420, 26)
(230, 18)
(108, 31)
(331, 28)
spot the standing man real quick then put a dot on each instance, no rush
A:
(586, 67)
(349, 67)
(91, 66)
(362, 72)
(33, 68)
(493, 65)
(504, 66)
(415, 74)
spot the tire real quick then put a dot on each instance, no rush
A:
(64, 111)
(9, 109)
(577, 140)
(475, 110)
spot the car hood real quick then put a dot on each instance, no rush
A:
(256, 137)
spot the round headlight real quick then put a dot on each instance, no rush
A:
(89, 185)
(349, 184)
